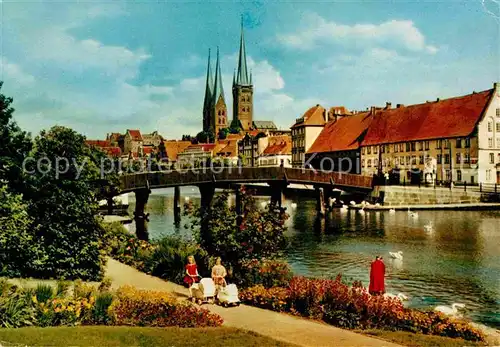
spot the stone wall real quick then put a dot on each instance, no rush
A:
(398, 195)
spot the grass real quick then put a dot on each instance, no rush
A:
(133, 336)
(418, 340)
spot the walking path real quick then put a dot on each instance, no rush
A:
(278, 326)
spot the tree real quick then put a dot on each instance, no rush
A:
(15, 145)
(205, 137)
(223, 133)
(255, 234)
(63, 203)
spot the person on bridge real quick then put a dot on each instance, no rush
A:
(377, 277)
(192, 275)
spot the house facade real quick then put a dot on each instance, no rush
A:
(277, 153)
(132, 142)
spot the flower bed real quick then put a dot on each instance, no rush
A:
(352, 307)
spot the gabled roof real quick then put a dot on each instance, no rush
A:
(113, 151)
(264, 124)
(173, 148)
(454, 117)
(135, 134)
(227, 148)
(345, 134)
(98, 143)
(313, 116)
(279, 147)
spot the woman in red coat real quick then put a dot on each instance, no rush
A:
(377, 277)
(192, 275)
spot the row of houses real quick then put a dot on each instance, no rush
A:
(455, 139)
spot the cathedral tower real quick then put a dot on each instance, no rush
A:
(242, 91)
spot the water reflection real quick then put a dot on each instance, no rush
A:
(449, 256)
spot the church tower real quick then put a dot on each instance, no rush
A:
(207, 102)
(242, 90)
(219, 109)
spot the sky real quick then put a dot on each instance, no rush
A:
(107, 66)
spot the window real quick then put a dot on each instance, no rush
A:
(458, 158)
(401, 147)
(467, 143)
(413, 146)
(490, 126)
(420, 146)
(459, 175)
(448, 174)
(369, 150)
(369, 163)
(413, 160)
(492, 158)
(490, 142)
(459, 143)
(396, 161)
(407, 146)
(439, 144)
(396, 147)
(488, 175)
(446, 144)
(446, 158)
(408, 158)
(467, 158)
(498, 127)
(421, 159)
(439, 158)
(388, 149)
(362, 150)
(375, 162)
(426, 145)
(498, 112)
(375, 149)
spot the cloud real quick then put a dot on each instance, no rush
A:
(317, 31)
(14, 72)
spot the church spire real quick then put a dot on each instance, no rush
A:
(242, 75)
(218, 90)
(208, 86)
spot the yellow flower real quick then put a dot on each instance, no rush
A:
(34, 299)
(63, 308)
(92, 300)
(46, 310)
(70, 308)
(56, 310)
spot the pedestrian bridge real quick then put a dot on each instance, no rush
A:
(234, 175)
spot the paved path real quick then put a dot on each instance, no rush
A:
(278, 326)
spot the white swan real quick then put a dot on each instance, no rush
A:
(396, 255)
(294, 205)
(399, 296)
(186, 198)
(429, 227)
(412, 214)
(450, 311)
(377, 204)
(391, 211)
(362, 211)
(353, 203)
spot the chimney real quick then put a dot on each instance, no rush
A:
(325, 116)
(496, 86)
(372, 109)
(388, 105)
(400, 105)
(437, 100)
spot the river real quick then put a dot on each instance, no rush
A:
(448, 256)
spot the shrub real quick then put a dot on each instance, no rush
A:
(82, 290)
(62, 288)
(16, 309)
(44, 292)
(100, 311)
(268, 272)
(158, 309)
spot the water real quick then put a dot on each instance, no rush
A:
(449, 256)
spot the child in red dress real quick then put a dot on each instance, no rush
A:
(192, 275)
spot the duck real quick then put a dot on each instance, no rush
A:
(399, 296)
(391, 211)
(449, 311)
(396, 255)
(294, 205)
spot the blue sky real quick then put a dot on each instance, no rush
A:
(104, 67)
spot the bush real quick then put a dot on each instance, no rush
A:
(83, 291)
(159, 309)
(62, 288)
(352, 307)
(44, 292)
(100, 311)
(268, 272)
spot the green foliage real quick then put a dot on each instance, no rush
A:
(15, 145)
(105, 285)
(256, 234)
(170, 258)
(16, 309)
(63, 204)
(223, 133)
(205, 137)
(267, 272)
(82, 290)
(44, 292)
(62, 288)
(100, 312)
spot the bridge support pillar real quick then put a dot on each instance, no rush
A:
(277, 194)
(141, 218)
(177, 205)
(320, 201)
(207, 192)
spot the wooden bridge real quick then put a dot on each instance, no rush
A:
(207, 179)
(230, 175)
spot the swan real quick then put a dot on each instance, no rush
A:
(294, 205)
(450, 311)
(186, 198)
(377, 204)
(396, 255)
(391, 211)
(399, 296)
(412, 214)
(334, 199)
(353, 203)
(362, 211)
(429, 227)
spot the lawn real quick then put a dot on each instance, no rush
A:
(132, 336)
(418, 340)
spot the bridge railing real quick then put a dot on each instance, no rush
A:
(241, 174)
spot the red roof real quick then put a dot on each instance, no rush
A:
(98, 143)
(173, 148)
(147, 150)
(279, 145)
(313, 116)
(344, 134)
(135, 135)
(113, 151)
(455, 117)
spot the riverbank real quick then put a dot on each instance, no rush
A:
(480, 206)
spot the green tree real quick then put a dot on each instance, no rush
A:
(63, 203)
(205, 137)
(223, 133)
(255, 234)
(15, 145)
